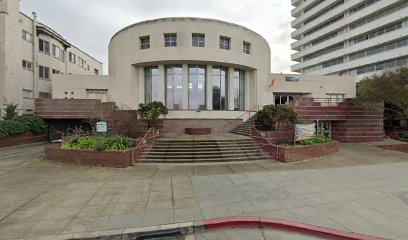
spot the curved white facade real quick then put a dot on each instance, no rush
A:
(131, 60)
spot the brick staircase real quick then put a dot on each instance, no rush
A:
(189, 151)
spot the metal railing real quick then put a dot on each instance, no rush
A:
(144, 141)
(329, 102)
(271, 149)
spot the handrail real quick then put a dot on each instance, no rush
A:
(144, 137)
(248, 112)
(267, 141)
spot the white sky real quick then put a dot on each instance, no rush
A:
(90, 24)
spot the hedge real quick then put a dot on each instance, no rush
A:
(21, 125)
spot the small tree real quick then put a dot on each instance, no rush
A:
(390, 88)
(152, 112)
(271, 117)
(11, 112)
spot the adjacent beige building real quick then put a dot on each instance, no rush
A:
(200, 68)
(31, 55)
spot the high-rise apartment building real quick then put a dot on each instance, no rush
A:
(31, 53)
(349, 37)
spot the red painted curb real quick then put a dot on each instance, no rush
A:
(220, 223)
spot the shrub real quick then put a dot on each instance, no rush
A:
(99, 143)
(10, 112)
(22, 124)
(151, 112)
(403, 136)
(271, 117)
(311, 141)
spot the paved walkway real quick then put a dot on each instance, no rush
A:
(361, 189)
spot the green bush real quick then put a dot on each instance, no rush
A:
(152, 112)
(99, 143)
(403, 136)
(10, 112)
(22, 124)
(271, 117)
(311, 141)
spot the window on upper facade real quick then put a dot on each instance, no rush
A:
(96, 71)
(44, 72)
(44, 95)
(62, 56)
(55, 71)
(80, 62)
(44, 46)
(72, 58)
(27, 36)
(27, 93)
(198, 40)
(225, 43)
(27, 65)
(56, 51)
(170, 40)
(145, 42)
(246, 47)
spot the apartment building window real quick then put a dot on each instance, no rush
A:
(225, 43)
(362, 6)
(198, 40)
(377, 33)
(96, 71)
(170, 40)
(379, 49)
(324, 11)
(324, 51)
(80, 62)
(27, 36)
(27, 65)
(324, 25)
(44, 95)
(62, 56)
(152, 84)
(56, 51)
(28, 94)
(387, 65)
(44, 72)
(333, 63)
(44, 46)
(246, 47)
(145, 42)
(72, 58)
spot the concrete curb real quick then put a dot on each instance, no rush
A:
(234, 222)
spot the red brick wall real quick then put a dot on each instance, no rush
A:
(302, 152)
(117, 159)
(349, 122)
(216, 125)
(23, 139)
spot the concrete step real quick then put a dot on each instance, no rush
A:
(180, 160)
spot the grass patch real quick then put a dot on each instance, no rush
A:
(311, 141)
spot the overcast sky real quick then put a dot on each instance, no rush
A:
(89, 24)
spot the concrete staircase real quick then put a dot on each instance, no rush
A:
(244, 128)
(210, 150)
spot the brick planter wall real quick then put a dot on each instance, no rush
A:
(303, 152)
(23, 139)
(117, 159)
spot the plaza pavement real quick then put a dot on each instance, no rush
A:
(361, 189)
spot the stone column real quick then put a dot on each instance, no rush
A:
(209, 83)
(185, 86)
(141, 85)
(162, 81)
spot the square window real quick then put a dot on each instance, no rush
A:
(246, 47)
(27, 36)
(198, 40)
(225, 43)
(44, 72)
(62, 56)
(145, 42)
(72, 58)
(170, 40)
(27, 93)
(44, 46)
(27, 65)
(56, 51)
